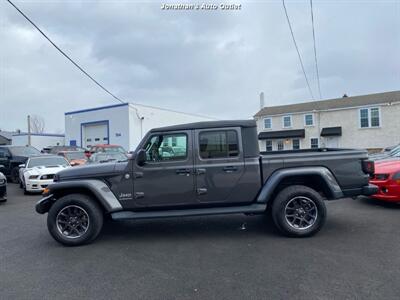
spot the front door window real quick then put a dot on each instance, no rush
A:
(166, 148)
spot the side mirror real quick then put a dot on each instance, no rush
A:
(21, 166)
(140, 157)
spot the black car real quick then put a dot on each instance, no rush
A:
(3, 188)
(12, 156)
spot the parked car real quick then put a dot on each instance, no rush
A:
(387, 178)
(105, 148)
(219, 170)
(394, 152)
(39, 171)
(3, 188)
(12, 156)
(103, 157)
(75, 158)
(56, 149)
(390, 148)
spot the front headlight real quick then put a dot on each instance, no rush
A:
(33, 176)
(2, 181)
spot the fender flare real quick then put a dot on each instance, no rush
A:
(276, 178)
(97, 187)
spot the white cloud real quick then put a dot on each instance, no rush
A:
(216, 61)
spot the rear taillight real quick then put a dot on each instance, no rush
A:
(368, 166)
(396, 177)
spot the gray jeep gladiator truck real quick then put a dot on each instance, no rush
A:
(205, 168)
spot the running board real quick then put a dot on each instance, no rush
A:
(248, 209)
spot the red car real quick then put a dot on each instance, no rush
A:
(387, 178)
(104, 148)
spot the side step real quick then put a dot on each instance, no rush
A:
(248, 209)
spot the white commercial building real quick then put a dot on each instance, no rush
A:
(122, 124)
(38, 140)
(369, 121)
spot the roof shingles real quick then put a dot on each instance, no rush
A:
(346, 102)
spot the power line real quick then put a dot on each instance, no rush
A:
(297, 49)
(63, 53)
(315, 49)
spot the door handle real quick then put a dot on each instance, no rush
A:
(230, 169)
(201, 191)
(183, 172)
(200, 171)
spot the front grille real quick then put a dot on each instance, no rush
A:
(46, 177)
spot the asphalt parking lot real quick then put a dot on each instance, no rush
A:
(355, 256)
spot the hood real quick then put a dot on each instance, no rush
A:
(92, 171)
(45, 170)
(387, 167)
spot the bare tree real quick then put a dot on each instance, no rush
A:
(37, 124)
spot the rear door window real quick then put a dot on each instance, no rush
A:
(218, 144)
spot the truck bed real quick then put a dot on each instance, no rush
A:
(344, 164)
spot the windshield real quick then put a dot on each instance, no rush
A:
(104, 157)
(113, 149)
(47, 161)
(56, 149)
(24, 151)
(395, 150)
(75, 155)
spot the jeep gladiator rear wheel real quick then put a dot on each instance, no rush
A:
(299, 211)
(74, 220)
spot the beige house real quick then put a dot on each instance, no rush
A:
(369, 121)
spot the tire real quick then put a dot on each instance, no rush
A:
(298, 211)
(14, 175)
(87, 212)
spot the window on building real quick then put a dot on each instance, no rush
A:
(268, 145)
(280, 145)
(158, 147)
(267, 123)
(218, 144)
(309, 120)
(296, 144)
(287, 121)
(314, 143)
(370, 117)
(374, 112)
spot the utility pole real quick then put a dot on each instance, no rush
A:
(29, 130)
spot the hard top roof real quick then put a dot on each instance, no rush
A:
(208, 124)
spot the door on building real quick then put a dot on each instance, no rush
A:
(94, 133)
(332, 142)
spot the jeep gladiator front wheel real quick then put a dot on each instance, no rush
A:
(74, 220)
(299, 211)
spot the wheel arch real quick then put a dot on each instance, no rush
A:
(320, 179)
(96, 189)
